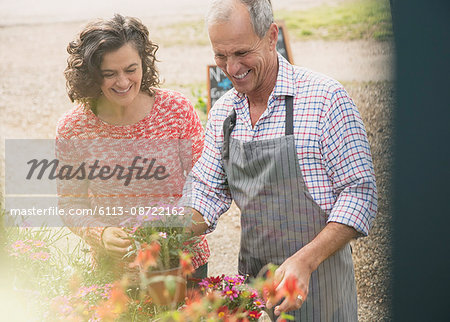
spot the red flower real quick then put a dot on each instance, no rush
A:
(291, 290)
(222, 311)
(216, 279)
(254, 314)
(212, 282)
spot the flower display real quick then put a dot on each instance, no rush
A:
(32, 249)
(89, 303)
(233, 298)
(67, 288)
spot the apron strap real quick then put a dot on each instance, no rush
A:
(230, 122)
(228, 126)
(289, 125)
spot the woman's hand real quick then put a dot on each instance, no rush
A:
(116, 242)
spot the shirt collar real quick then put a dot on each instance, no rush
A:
(285, 78)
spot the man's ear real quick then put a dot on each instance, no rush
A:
(273, 35)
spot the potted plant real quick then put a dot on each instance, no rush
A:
(162, 255)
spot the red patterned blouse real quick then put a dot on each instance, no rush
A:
(172, 119)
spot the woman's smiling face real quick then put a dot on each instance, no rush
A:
(121, 71)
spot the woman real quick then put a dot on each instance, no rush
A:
(111, 73)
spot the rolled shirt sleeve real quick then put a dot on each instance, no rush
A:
(348, 164)
(207, 188)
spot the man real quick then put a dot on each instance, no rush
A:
(289, 147)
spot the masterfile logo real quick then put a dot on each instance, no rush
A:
(111, 176)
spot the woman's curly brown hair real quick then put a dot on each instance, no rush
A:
(83, 75)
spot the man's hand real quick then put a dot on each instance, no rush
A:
(294, 270)
(116, 242)
(300, 266)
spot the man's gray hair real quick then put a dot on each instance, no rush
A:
(261, 14)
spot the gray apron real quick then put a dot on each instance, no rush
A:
(279, 216)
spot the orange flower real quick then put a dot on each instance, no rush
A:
(117, 303)
(194, 307)
(119, 299)
(104, 313)
(186, 263)
(269, 288)
(193, 296)
(147, 256)
(74, 283)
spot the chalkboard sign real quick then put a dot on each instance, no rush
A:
(218, 83)
(283, 45)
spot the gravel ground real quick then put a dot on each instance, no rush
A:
(372, 255)
(32, 98)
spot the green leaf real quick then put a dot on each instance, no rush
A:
(287, 316)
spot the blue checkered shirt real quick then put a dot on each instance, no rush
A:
(331, 142)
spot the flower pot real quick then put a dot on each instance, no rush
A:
(167, 287)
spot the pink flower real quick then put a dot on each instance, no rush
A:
(107, 291)
(212, 282)
(230, 292)
(18, 245)
(230, 280)
(38, 243)
(43, 256)
(61, 305)
(162, 235)
(239, 302)
(25, 249)
(237, 280)
(259, 303)
(85, 290)
(133, 229)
